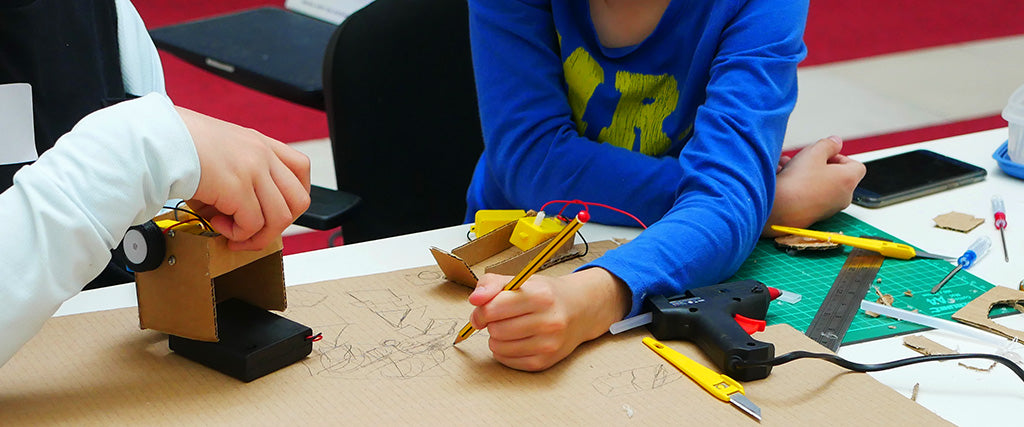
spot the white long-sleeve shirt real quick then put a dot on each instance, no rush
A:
(64, 214)
(117, 167)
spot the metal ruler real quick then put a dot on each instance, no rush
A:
(833, 318)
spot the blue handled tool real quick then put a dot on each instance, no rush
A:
(974, 252)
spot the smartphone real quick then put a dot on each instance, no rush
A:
(910, 175)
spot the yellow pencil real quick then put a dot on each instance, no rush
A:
(567, 233)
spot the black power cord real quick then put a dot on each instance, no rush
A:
(865, 367)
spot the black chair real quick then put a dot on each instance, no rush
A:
(402, 114)
(269, 49)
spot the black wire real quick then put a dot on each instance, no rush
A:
(188, 211)
(586, 246)
(176, 206)
(864, 367)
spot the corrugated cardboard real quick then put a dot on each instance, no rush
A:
(957, 221)
(493, 253)
(180, 298)
(387, 359)
(975, 313)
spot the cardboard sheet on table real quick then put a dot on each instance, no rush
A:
(387, 358)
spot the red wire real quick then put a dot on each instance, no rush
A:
(180, 223)
(586, 207)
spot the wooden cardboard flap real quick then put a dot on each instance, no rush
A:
(224, 260)
(512, 266)
(178, 299)
(260, 283)
(454, 268)
(486, 246)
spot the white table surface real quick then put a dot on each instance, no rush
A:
(962, 396)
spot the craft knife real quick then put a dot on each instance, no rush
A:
(884, 247)
(721, 386)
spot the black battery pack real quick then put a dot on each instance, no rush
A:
(253, 342)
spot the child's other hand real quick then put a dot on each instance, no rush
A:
(540, 324)
(815, 184)
(251, 187)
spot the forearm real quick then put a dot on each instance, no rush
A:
(607, 300)
(65, 212)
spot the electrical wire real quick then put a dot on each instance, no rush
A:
(177, 209)
(587, 205)
(865, 367)
(188, 221)
(586, 246)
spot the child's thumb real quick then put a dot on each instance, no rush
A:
(487, 288)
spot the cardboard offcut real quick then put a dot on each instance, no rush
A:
(180, 297)
(957, 221)
(975, 313)
(925, 346)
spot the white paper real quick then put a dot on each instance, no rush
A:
(17, 136)
(333, 11)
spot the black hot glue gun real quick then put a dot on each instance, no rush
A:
(719, 319)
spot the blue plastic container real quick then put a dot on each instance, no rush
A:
(1010, 167)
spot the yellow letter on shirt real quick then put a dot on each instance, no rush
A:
(582, 74)
(645, 103)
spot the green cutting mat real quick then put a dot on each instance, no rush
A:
(811, 273)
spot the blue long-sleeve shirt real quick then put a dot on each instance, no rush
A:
(684, 130)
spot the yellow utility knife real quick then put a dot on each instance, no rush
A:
(721, 386)
(889, 249)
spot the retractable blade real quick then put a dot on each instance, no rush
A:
(741, 401)
(721, 386)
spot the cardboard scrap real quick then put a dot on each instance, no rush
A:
(803, 243)
(884, 299)
(975, 313)
(386, 359)
(957, 221)
(975, 368)
(926, 346)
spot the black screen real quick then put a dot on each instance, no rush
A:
(911, 170)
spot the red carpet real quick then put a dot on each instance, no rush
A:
(206, 93)
(842, 30)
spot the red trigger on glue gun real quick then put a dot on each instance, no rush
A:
(753, 325)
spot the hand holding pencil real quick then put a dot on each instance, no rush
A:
(534, 265)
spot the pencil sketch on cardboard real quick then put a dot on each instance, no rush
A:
(635, 380)
(413, 345)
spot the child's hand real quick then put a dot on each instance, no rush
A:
(251, 187)
(815, 184)
(540, 324)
